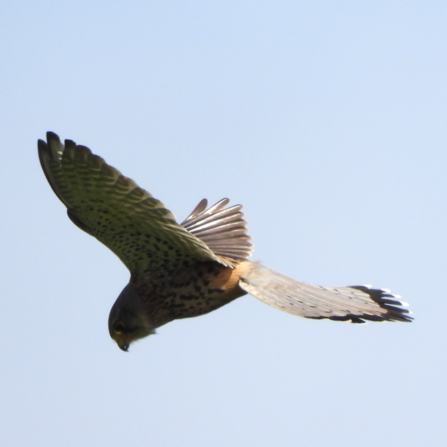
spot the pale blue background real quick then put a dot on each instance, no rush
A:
(327, 120)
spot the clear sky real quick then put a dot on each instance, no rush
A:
(327, 121)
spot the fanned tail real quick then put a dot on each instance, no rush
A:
(222, 229)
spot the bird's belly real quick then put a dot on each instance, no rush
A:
(194, 291)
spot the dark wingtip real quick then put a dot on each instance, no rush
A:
(387, 301)
(44, 146)
(53, 138)
(52, 135)
(382, 298)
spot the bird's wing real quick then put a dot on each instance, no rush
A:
(127, 219)
(353, 303)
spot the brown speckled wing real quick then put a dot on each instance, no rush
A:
(127, 219)
(222, 229)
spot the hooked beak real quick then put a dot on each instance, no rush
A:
(123, 341)
(124, 346)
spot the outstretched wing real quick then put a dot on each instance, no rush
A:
(354, 303)
(127, 219)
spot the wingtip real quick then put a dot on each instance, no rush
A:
(42, 147)
(52, 136)
(50, 149)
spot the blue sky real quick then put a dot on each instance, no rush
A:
(326, 120)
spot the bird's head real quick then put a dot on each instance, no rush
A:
(128, 320)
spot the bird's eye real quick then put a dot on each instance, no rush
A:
(119, 328)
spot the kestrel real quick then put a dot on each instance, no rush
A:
(188, 269)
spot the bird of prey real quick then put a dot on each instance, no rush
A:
(188, 269)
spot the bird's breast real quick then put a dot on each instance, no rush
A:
(191, 291)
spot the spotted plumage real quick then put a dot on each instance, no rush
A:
(188, 269)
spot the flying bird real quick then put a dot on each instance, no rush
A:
(188, 269)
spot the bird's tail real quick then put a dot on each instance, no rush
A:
(352, 303)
